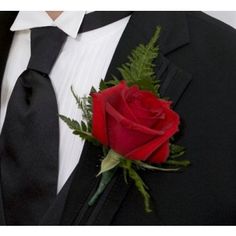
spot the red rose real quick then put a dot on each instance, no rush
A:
(134, 123)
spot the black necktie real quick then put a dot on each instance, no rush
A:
(30, 135)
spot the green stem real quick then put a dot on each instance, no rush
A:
(105, 180)
(141, 186)
(150, 167)
(85, 133)
(183, 163)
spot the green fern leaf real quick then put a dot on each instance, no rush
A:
(139, 70)
(72, 124)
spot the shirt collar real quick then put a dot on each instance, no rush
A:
(68, 21)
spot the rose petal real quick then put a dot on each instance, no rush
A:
(146, 107)
(134, 123)
(161, 154)
(145, 151)
(126, 135)
(99, 100)
(123, 108)
(171, 119)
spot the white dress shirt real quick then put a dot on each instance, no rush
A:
(82, 63)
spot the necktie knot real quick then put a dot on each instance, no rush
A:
(46, 44)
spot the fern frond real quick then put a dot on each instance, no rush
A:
(85, 105)
(139, 70)
(72, 124)
(141, 186)
(79, 129)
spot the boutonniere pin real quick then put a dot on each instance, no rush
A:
(131, 122)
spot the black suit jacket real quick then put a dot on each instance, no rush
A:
(197, 69)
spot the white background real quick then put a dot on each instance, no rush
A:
(228, 17)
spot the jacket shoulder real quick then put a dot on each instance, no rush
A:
(205, 21)
(212, 40)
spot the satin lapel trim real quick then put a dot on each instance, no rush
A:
(173, 81)
(6, 20)
(177, 85)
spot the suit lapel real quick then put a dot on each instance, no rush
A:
(53, 214)
(83, 183)
(174, 81)
(6, 20)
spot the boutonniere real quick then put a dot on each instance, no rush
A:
(131, 122)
